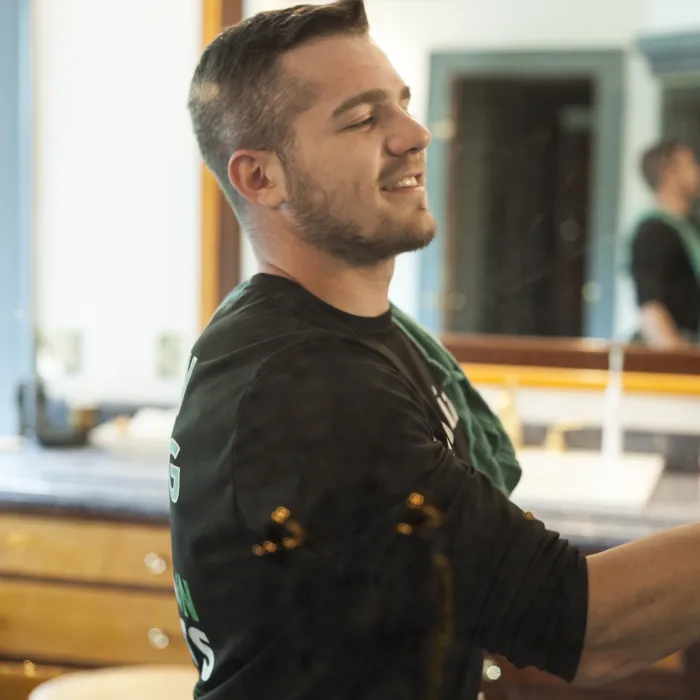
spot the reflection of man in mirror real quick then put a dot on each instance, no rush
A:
(666, 249)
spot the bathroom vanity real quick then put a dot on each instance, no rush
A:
(85, 573)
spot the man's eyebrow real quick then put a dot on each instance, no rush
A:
(370, 97)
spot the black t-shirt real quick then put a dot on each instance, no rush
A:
(292, 403)
(663, 273)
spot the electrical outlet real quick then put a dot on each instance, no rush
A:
(169, 356)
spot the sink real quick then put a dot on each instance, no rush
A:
(586, 481)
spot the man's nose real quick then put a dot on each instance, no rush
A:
(408, 136)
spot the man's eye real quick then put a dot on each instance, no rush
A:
(366, 122)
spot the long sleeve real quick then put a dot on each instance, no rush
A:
(340, 439)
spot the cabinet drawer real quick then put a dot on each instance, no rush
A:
(84, 626)
(62, 548)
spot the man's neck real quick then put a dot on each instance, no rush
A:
(357, 291)
(674, 203)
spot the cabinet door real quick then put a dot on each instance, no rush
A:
(86, 626)
(68, 549)
(17, 680)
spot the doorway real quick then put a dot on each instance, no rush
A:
(519, 204)
(598, 78)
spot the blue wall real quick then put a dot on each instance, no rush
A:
(16, 349)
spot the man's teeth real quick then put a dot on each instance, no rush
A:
(406, 182)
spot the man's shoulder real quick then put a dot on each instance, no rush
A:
(268, 338)
(248, 329)
(655, 223)
(657, 234)
(262, 343)
(316, 384)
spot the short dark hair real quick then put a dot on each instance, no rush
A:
(657, 157)
(239, 96)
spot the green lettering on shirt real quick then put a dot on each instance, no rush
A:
(184, 599)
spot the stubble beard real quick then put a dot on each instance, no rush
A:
(317, 222)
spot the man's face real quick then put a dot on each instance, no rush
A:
(686, 172)
(356, 171)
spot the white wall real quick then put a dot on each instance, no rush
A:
(672, 16)
(117, 214)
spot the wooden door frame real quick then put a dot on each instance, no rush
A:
(220, 232)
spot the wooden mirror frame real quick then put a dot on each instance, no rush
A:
(572, 363)
(221, 235)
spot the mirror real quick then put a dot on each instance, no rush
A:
(539, 120)
(539, 155)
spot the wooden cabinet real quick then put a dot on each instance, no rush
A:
(89, 626)
(83, 593)
(86, 551)
(17, 680)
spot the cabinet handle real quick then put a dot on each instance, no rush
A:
(491, 671)
(29, 669)
(158, 639)
(155, 564)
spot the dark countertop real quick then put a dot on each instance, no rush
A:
(94, 484)
(85, 483)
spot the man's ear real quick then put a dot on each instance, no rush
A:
(259, 177)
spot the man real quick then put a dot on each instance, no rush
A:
(335, 533)
(666, 249)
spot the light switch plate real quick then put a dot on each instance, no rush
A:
(169, 360)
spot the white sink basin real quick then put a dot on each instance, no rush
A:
(586, 481)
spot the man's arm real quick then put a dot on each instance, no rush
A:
(340, 439)
(644, 603)
(658, 328)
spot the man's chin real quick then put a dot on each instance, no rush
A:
(426, 239)
(416, 241)
(429, 234)
(423, 232)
